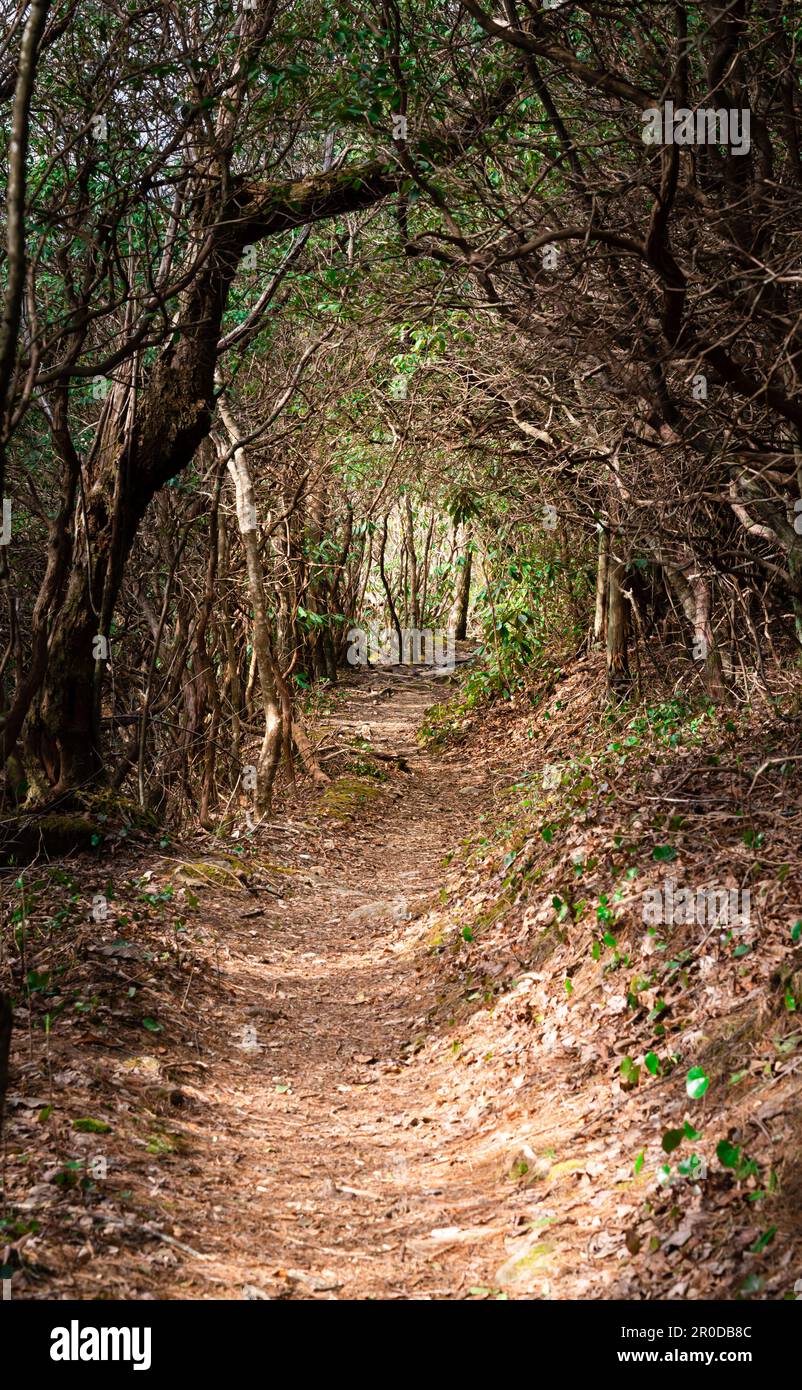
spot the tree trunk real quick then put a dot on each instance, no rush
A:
(310, 762)
(6, 1019)
(693, 593)
(388, 591)
(142, 442)
(408, 524)
(461, 605)
(270, 752)
(600, 615)
(618, 674)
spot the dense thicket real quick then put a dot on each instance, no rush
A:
(320, 315)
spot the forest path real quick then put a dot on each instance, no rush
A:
(332, 1152)
(304, 1083)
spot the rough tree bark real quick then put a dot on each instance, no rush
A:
(247, 519)
(618, 673)
(14, 270)
(600, 614)
(5, 1043)
(693, 593)
(408, 525)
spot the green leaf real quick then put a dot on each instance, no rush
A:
(652, 1063)
(796, 931)
(90, 1126)
(639, 1162)
(664, 853)
(728, 1155)
(630, 1072)
(672, 1139)
(764, 1240)
(151, 1025)
(696, 1083)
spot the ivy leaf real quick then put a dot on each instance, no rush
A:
(728, 1155)
(672, 1139)
(664, 853)
(696, 1083)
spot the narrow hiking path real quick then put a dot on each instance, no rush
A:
(328, 1160)
(286, 1134)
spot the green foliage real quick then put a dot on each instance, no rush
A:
(696, 1083)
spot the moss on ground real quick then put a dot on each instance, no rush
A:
(345, 795)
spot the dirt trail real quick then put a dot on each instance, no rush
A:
(321, 1091)
(328, 1162)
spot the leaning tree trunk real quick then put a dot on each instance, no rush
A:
(166, 421)
(62, 732)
